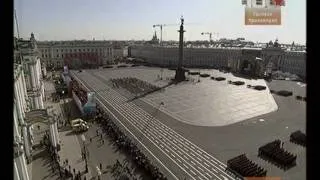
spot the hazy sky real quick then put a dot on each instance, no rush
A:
(133, 19)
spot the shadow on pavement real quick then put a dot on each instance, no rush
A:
(65, 128)
(40, 154)
(71, 133)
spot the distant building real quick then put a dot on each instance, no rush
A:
(239, 59)
(75, 54)
(155, 39)
(120, 51)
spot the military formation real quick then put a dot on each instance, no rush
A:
(298, 137)
(245, 167)
(276, 154)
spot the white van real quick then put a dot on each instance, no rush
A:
(78, 121)
(80, 127)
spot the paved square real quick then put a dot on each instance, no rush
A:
(207, 103)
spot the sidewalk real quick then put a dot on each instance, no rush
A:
(70, 147)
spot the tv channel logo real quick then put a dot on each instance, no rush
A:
(263, 12)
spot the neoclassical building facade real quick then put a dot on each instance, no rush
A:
(231, 57)
(28, 106)
(75, 53)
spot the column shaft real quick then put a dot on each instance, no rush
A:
(56, 132)
(26, 141)
(18, 102)
(22, 167)
(36, 102)
(52, 134)
(23, 95)
(16, 171)
(33, 81)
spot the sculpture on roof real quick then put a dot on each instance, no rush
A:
(32, 41)
(276, 44)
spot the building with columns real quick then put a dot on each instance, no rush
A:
(234, 58)
(33, 79)
(22, 139)
(76, 53)
(28, 107)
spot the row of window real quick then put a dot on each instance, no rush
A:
(77, 50)
(292, 63)
(72, 55)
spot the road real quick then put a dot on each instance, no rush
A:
(182, 158)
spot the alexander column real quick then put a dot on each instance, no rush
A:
(180, 72)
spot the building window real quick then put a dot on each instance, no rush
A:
(259, 2)
(61, 50)
(271, 2)
(57, 55)
(79, 50)
(62, 55)
(57, 50)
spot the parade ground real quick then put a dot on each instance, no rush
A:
(200, 118)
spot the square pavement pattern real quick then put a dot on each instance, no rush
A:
(207, 103)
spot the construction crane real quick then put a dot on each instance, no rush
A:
(163, 25)
(208, 33)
